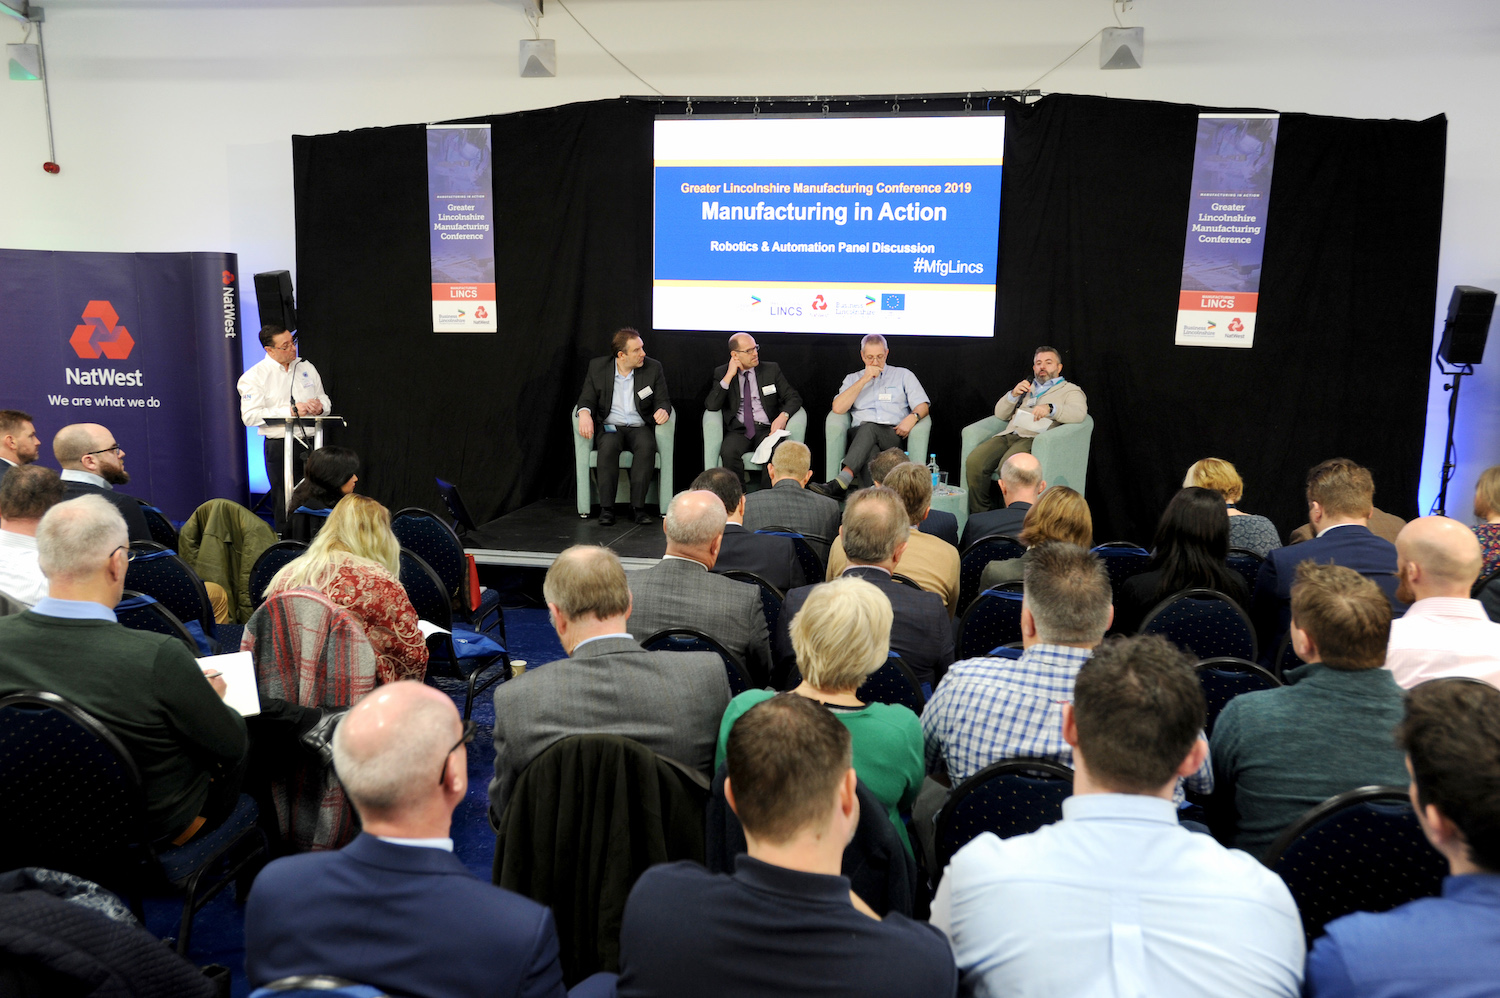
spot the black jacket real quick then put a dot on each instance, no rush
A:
(130, 509)
(783, 399)
(598, 393)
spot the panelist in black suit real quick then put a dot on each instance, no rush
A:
(875, 533)
(1021, 484)
(93, 463)
(771, 557)
(624, 398)
(755, 398)
(937, 522)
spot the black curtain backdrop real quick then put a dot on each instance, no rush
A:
(1094, 209)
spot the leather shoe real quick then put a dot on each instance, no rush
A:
(642, 517)
(319, 738)
(833, 489)
(606, 516)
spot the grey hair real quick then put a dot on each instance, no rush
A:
(75, 537)
(695, 528)
(875, 523)
(873, 338)
(1067, 591)
(401, 768)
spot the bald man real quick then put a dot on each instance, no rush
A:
(93, 463)
(395, 908)
(1021, 484)
(1444, 633)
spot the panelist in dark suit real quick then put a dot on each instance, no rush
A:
(768, 556)
(937, 522)
(1340, 497)
(624, 398)
(1021, 484)
(395, 908)
(875, 534)
(771, 400)
(93, 463)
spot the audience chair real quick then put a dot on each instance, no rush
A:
(425, 534)
(272, 560)
(1487, 592)
(1123, 560)
(1247, 563)
(1362, 850)
(1063, 450)
(140, 612)
(73, 801)
(466, 652)
(220, 543)
(971, 564)
(304, 522)
(1286, 657)
(1009, 797)
(992, 619)
(162, 531)
(158, 572)
(905, 580)
(1226, 677)
(687, 639)
(892, 683)
(713, 436)
(811, 563)
(836, 439)
(462, 521)
(771, 598)
(1205, 622)
(585, 459)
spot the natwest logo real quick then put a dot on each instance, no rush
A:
(480, 313)
(228, 277)
(819, 304)
(101, 333)
(1236, 326)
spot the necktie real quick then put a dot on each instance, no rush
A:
(747, 415)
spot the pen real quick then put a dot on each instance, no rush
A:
(212, 675)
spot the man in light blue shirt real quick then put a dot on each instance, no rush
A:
(885, 403)
(1117, 899)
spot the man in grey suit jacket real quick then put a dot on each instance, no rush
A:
(670, 702)
(682, 591)
(788, 504)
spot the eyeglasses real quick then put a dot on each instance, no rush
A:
(469, 728)
(130, 552)
(749, 350)
(103, 450)
(289, 345)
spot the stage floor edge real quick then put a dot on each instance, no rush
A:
(533, 536)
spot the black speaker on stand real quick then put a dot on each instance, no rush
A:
(1462, 346)
(274, 300)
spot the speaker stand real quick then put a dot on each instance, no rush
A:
(1450, 458)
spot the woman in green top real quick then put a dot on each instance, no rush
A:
(842, 635)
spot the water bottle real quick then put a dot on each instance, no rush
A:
(932, 466)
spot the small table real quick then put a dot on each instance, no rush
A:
(952, 499)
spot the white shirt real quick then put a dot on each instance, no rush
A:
(86, 477)
(20, 576)
(1118, 901)
(1443, 636)
(267, 390)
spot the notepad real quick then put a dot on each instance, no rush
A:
(428, 628)
(1026, 425)
(238, 669)
(763, 452)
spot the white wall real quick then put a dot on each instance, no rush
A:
(173, 117)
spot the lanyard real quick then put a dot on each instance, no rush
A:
(1038, 394)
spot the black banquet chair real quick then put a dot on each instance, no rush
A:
(1009, 797)
(1225, 678)
(687, 639)
(424, 533)
(971, 564)
(1359, 851)
(1247, 563)
(140, 612)
(272, 560)
(1206, 622)
(808, 559)
(465, 652)
(892, 683)
(1122, 560)
(771, 598)
(157, 571)
(992, 620)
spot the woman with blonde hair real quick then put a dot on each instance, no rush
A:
(1250, 531)
(841, 636)
(355, 561)
(1487, 508)
(1061, 514)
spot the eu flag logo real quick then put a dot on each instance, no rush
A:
(893, 303)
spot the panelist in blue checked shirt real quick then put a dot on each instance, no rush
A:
(885, 403)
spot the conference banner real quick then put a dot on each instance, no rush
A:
(146, 344)
(461, 203)
(1226, 230)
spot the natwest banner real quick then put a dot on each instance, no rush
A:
(461, 204)
(1226, 230)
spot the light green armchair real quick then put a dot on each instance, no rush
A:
(585, 458)
(713, 436)
(1062, 450)
(836, 439)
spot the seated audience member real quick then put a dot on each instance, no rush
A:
(937, 522)
(1117, 898)
(768, 556)
(1448, 946)
(1444, 632)
(26, 493)
(1246, 530)
(1487, 508)
(929, 561)
(1021, 484)
(1192, 541)
(1061, 514)
(841, 636)
(356, 561)
(875, 533)
(788, 503)
(19, 444)
(682, 591)
(329, 474)
(93, 463)
(1338, 503)
(1279, 752)
(668, 701)
(1382, 524)
(395, 909)
(146, 688)
(786, 921)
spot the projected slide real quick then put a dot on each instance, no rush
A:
(828, 225)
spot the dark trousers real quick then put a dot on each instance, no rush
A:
(641, 442)
(275, 460)
(736, 445)
(865, 441)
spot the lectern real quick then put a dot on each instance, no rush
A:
(292, 423)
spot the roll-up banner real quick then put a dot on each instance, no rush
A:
(146, 344)
(461, 203)
(1226, 230)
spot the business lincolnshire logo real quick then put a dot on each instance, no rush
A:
(101, 333)
(754, 301)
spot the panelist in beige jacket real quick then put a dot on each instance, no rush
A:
(1032, 407)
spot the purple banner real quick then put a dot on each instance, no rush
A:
(461, 204)
(146, 344)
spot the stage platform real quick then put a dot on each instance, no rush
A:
(534, 535)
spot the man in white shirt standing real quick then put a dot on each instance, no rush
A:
(26, 492)
(281, 385)
(1444, 632)
(1117, 898)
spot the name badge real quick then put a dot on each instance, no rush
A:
(884, 396)
(768, 389)
(644, 391)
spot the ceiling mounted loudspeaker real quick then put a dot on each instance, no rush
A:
(539, 57)
(1122, 48)
(25, 62)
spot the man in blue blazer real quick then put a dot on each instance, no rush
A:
(1340, 501)
(395, 908)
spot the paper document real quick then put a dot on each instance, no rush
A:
(1026, 425)
(428, 628)
(238, 669)
(763, 452)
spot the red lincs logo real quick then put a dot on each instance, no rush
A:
(819, 304)
(101, 333)
(228, 277)
(1236, 326)
(480, 313)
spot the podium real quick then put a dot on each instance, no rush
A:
(294, 423)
